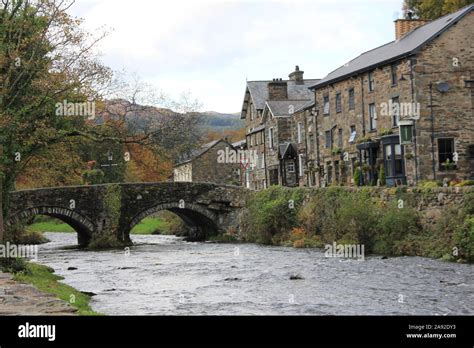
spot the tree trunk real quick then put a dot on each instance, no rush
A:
(2, 231)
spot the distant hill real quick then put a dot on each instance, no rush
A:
(140, 116)
(220, 122)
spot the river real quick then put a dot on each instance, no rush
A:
(163, 275)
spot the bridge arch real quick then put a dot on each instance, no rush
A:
(202, 222)
(82, 225)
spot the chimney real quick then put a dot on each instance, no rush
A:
(297, 75)
(404, 26)
(277, 90)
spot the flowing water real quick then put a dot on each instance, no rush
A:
(163, 275)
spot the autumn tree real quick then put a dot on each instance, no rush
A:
(45, 59)
(432, 9)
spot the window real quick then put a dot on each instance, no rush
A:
(262, 159)
(393, 73)
(445, 153)
(270, 138)
(338, 102)
(353, 134)
(371, 81)
(328, 139)
(301, 164)
(290, 167)
(351, 99)
(393, 160)
(299, 132)
(326, 105)
(395, 111)
(372, 117)
(311, 143)
(250, 112)
(340, 142)
(252, 139)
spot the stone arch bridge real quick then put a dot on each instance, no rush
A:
(112, 210)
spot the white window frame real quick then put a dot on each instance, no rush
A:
(290, 165)
(299, 126)
(372, 117)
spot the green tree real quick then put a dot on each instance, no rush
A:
(432, 9)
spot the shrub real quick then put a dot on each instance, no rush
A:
(18, 234)
(393, 227)
(464, 239)
(270, 212)
(465, 183)
(382, 175)
(14, 265)
(357, 176)
(428, 184)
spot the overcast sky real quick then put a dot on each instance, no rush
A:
(210, 47)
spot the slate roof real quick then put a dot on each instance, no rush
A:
(286, 150)
(198, 152)
(282, 107)
(239, 143)
(259, 91)
(409, 44)
(256, 129)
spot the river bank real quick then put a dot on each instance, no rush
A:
(38, 291)
(18, 298)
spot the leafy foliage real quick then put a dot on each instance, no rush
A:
(432, 9)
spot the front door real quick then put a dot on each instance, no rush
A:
(393, 161)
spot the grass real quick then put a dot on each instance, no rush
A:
(50, 226)
(151, 224)
(43, 278)
(146, 226)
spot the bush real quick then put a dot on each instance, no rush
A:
(465, 183)
(382, 175)
(18, 234)
(14, 265)
(393, 227)
(427, 184)
(271, 212)
(357, 176)
(464, 240)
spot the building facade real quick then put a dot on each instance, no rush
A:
(420, 85)
(215, 162)
(268, 108)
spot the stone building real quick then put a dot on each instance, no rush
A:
(209, 164)
(421, 85)
(267, 109)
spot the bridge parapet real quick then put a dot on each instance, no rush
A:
(97, 211)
